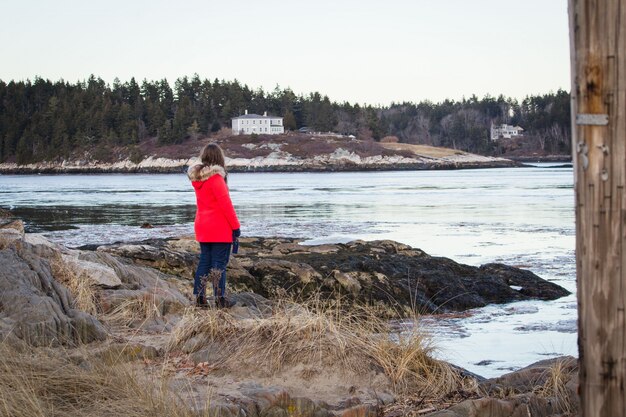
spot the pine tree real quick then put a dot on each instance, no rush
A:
(193, 130)
(289, 121)
(166, 134)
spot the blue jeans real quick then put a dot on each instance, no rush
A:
(212, 256)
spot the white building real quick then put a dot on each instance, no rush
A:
(505, 131)
(254, 123)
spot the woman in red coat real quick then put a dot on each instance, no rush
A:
(216, 223)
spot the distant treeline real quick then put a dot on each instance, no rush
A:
(45, 120)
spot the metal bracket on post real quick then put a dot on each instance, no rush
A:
(587, 119)
(604, 149)
(583, 150)
(604, 175)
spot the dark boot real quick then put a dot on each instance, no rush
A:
(201, 301)
(223, 302)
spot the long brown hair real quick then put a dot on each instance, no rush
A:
(212, 155)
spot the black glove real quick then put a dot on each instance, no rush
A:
(236, 234)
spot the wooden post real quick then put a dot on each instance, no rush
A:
(598, 53)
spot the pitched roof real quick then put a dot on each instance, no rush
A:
(256, 116)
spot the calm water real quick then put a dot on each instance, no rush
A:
(519, 216)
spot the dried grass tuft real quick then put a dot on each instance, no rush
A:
(317, 336)
(84, 292)
(411, 368)
(49, 384)
(555, 386)
(133, 310)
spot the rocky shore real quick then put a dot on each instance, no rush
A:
(277, 161)
(307, 334)
(396, 278)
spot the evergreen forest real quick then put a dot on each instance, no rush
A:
(42, 120)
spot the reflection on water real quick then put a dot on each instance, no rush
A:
(75, 226)
(70, 217)
(519, 216)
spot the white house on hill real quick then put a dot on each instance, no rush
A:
(505, 131)
(247, 124)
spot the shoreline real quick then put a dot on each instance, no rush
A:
(125, 168)
(545, 158)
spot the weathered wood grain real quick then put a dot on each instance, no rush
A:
(598, 52)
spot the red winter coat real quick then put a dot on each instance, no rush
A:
(215, 215)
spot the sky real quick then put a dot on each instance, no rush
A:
(364, 51)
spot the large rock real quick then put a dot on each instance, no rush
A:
(7, 221)
(278, 273)
(99, 274)
(34, 307)
(547, 388)
(10, 236)
(131, 285)
(521, 406)
(37, 307)
(391, 275)
(139, 284)
(275, 401)
(556, 380)
(174, 258)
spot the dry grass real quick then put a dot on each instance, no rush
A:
(85, 297)
(307, 147)
(320, 337)
(390, 139)
(422, 150)
(134, 310)
(555, 385)
(42, 383)
(83, 291)
(411, 368)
